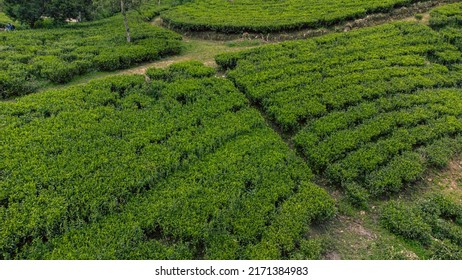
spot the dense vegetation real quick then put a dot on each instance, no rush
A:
(34, 13)
(30, 58)
(29, 12)
(270, 16)
(435, 222)
(180, 164)
(448, 21)
(151, 8)
(180, 167)
(370, 109)
(4, 20)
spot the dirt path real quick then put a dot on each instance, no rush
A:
(405, 13)
(448, 180)
(198, 49)
(204, 47)
(194, 49)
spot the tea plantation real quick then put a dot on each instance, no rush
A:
(293, 147)
(448, 21)
(180, 167)
(4, 20)
(271, 16)
(31, 58)
(434, 221)
(369, 110)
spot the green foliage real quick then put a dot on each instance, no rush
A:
(447, 15)
(178, 168)
(182, 70)
(270, 16)
(309, 249)
(4, 19)
(445, 250)
(228, 60)
(356, 195)
(407, 222)
(14, 83)
(407, 167)
(151, 8)
(308, 204)
(439, 153)
(370, 110)
(434, 221)
(60, 54)
(447, 20)
(31, 11)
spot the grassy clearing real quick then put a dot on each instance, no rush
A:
(192, 50)
(32, 58)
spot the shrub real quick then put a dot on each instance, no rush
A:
(121, 168)
(400, 219)
(11, 85)
(108, 61)
(373, 108)
(59, 54)
(268, 16)
(356, 195)
(228, 61)
(431, 221)
(59, 72)
(182, 70)
(445, 250)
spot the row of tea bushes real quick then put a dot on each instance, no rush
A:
(177, 167)
(31, 58)
(362, 107)
(271, 16)
(434, 221)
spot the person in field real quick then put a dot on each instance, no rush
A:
(9, 27)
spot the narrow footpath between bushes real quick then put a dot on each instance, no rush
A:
(205, 50)
(354, 233)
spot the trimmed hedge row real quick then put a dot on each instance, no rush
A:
(368, 108)
(30, 58)
(190, 69)
(434, 221)
(271, 16)
(447, 15)
(178, 167)
(447, 20)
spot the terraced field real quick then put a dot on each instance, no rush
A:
(177, 168)
(29, 59)
(190, 163)
(447, 20)
(271, 16)
(433, 221)
(370, 110)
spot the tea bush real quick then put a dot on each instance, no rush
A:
(177, 167)
(368, 109)
(434, 221)
(271, 16)
(31, 58)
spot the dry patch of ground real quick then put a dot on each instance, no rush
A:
(421, 18)
(449, 180)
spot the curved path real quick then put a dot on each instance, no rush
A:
(204, 46)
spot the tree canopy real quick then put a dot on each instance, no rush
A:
(30, 11)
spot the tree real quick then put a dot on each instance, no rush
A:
(64, 9)
(30, 11)
(25, 11)
(124, 6)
